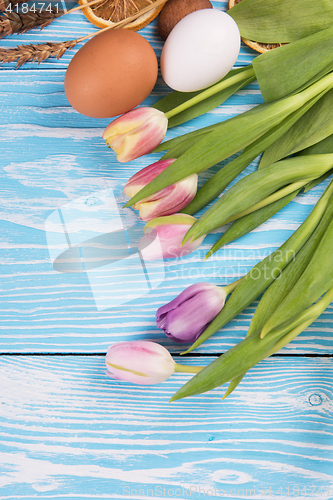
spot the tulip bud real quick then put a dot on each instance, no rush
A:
(187, 316)
(136, 133)
(163, 237)
(140, 362)
(168, 201)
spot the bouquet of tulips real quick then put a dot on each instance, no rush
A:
(293, 129)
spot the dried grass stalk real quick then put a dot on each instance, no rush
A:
(13, 22)
(35, 52)
(39, 52)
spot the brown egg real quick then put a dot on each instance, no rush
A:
(111, 74)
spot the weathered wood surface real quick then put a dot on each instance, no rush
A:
(66, 430)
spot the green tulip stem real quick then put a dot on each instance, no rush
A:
(303, 320)
(249, 222)
(276, 292)
(312, 314)
(258, 279)
(187, 368)
(309, 314)
(289, 337)
(230, 288)
(229, 137)
(315, 280)
(269, 199)
(286, 339)
(211, 91)
(254, 189)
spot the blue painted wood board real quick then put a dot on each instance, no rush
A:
(66, 430)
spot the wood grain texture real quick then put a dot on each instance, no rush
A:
(67, 430)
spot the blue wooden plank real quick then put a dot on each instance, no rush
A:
(38, 98)
(66, 430)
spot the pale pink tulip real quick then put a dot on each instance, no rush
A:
(163, 237)
(168, 201)
(136, 133)
(140, 362)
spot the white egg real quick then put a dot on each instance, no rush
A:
(200, 50)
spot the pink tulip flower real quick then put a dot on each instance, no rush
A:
(143, 362)
(163, 237)
(140, 362)
(136, 133)
(168, 201)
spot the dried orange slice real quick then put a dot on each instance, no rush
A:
(259, 47)
(107, 13)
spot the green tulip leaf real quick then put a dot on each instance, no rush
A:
(282, 71)
(175, 99)
(256, 187)
(263, 274)
(314, 126)
(230, 137)
(282, 21)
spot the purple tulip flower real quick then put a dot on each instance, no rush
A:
(186, 317)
